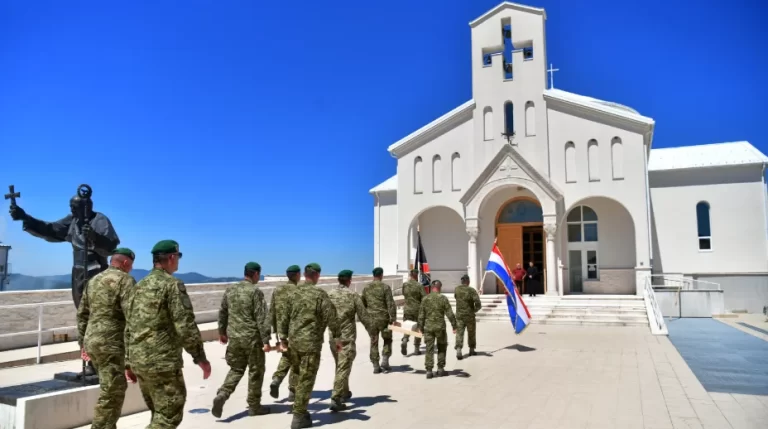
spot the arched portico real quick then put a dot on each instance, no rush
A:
(598, 248)
(444, 239)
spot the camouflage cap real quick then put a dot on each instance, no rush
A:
(345, 273)
(125, 252)
(314, 266)
(293, 269)
(165, 246)
(378, 271)
(465, 277)
(253, 266)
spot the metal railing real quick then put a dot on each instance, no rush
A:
(394, 283)
(655, 318)
(683, 283)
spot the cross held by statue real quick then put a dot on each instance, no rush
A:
(12, 195)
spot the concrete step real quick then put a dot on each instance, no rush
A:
(582, 316)
(599, 310)
(590, 322)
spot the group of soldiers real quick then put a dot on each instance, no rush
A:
(135, 332)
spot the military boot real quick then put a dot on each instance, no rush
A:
(300, 422)
(440, 372)
(274, 388)
(260, 411)
(385, 364)
(472, 351)
(90, 370)
(459, 356)
(376, 368)
(417, 350)
(291, 395)
(347, 396)
(337, 405)
(429, 374)
(218, 405)
(404, 348)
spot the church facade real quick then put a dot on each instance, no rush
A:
(565, 181)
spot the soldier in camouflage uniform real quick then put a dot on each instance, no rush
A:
(467, 304)
(301, 329)
(434, 309)
(160, 322)
(280, 296)
(101, 330)
(244, 327)
(413, 292)
(348, 305)
(377, 299)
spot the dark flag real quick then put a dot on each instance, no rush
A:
(422, 265)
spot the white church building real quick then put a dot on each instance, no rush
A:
(569, 182)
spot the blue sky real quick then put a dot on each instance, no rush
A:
(253, 130)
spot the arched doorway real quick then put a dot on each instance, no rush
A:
(520, 236)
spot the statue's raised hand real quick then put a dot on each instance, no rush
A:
(17, 213)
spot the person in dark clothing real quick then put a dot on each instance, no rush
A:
(532, 280)
(102, 240)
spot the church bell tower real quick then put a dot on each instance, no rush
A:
(508, 78)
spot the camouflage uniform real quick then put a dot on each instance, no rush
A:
(280, 296)
(160, 322)
(302, 325)
(348, 305)
(243, 319)
(434, 309)
(377, 299)
(467, 304)
(101, 329)
(413, 292)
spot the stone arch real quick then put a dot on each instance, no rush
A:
(473, 207)
(604, 239)
(444, 238)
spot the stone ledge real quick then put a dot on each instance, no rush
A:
(63, 409)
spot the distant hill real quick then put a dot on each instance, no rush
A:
(24, 282)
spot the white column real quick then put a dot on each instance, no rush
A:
(472, 258)
(550, 229)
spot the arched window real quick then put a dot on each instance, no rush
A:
(582, 246)
(570, 162)
(593, 159)
(455, 172)
(617, 158)
(530, 119)
(488, 124)
(703, 225)
(418, 175)
(437, 174)
(509, 119)
(521, 211)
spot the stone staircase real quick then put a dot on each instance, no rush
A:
(592, 310)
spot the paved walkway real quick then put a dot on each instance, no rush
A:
(551, 377)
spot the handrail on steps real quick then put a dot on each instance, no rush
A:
(655, 318)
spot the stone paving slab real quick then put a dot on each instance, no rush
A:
(725, 360)
(550, 377)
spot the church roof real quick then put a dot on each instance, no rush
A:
(507, 5)
(706, 155)
(387, 185)
(435, 128)
(600, 105)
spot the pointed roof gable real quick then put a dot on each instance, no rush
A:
(507, 151)
(507, 5)
(432, 130)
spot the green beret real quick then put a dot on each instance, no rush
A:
(253, 266)
(414, 271)
(378, 271)
(293, 269)
(437, 283)
(165, 246)
(345, 273)
(465, 277)
(313, 266)
(126, 252)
